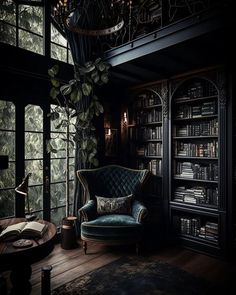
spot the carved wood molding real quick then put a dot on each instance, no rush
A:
(164, 95)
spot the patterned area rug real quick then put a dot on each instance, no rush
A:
(135, 276)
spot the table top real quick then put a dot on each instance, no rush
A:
(41, 247)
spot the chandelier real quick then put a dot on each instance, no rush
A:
(92, 17)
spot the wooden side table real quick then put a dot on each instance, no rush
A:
(19, 260)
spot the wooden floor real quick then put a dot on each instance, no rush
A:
(70, 264)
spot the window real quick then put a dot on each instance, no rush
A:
(47, 200)
(34, 156)
(7, 147)
(21, 25)
(59, 46)
(58, 166)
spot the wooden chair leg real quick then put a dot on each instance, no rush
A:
(85, 247)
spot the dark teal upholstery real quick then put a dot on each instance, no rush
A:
(112, 181)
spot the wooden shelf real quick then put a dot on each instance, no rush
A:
(196, 137)
(195, 180)
(196, 118)
(195, 158)
(192, 100)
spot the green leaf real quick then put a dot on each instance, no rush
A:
(54, 92)
(104, 78)
(83, 116)
(95, 162)
(101, 66)
(76, 95)
(54, 116)
(99, 107)
(98, 60)
(53, 71)
(65, 89)
(55, 82)
(84, 144)
(50, 148)
(95, 76)
(86, 89)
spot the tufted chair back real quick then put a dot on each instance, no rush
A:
(111, 181)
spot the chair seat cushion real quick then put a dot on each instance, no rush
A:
(112, 227)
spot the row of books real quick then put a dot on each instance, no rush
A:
(197, 129)
(145, 133)
(154, 166)
(151, 116)
(196, 171)
(150, 149)
(208, 149)
(188, 111)
(196, 195)
(192, 226)
(196, 90)
(147, 99)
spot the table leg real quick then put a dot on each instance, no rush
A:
(20, 279)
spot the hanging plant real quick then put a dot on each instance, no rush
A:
(77, 106)
(79, 100)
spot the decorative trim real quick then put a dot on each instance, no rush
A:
(164, 95)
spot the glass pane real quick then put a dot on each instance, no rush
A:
(33, 118)
(72, 168)
(58, 52)
(35, 194)
(33, 145)
(57, 37)
(8, 11)
(70, 59)
(7, 177)
(58, 170)
(7, 34)
(71, 194)
(57, 215)
(7, 144)
(56, 123)
(72, 123)
(7, 203)
(58, 194)
(30, 42)
(58, 144)
(7, 115)
(39, 215)
(31, 18)
(36, 168)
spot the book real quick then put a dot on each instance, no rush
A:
(31, 229)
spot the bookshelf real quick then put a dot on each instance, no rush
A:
(197, 199)
(145, 146)
(179, 130)
(145, 131)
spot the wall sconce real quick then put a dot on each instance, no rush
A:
(109, 131)
(23, 190)
(125, 118)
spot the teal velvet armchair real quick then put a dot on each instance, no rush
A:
(112, 213)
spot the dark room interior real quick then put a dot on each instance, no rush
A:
(117, 147)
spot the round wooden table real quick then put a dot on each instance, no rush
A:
(19, 260)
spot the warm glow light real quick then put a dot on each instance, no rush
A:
(109, 131)
(125, 117)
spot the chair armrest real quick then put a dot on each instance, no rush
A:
(139, 211)
(88, 211)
